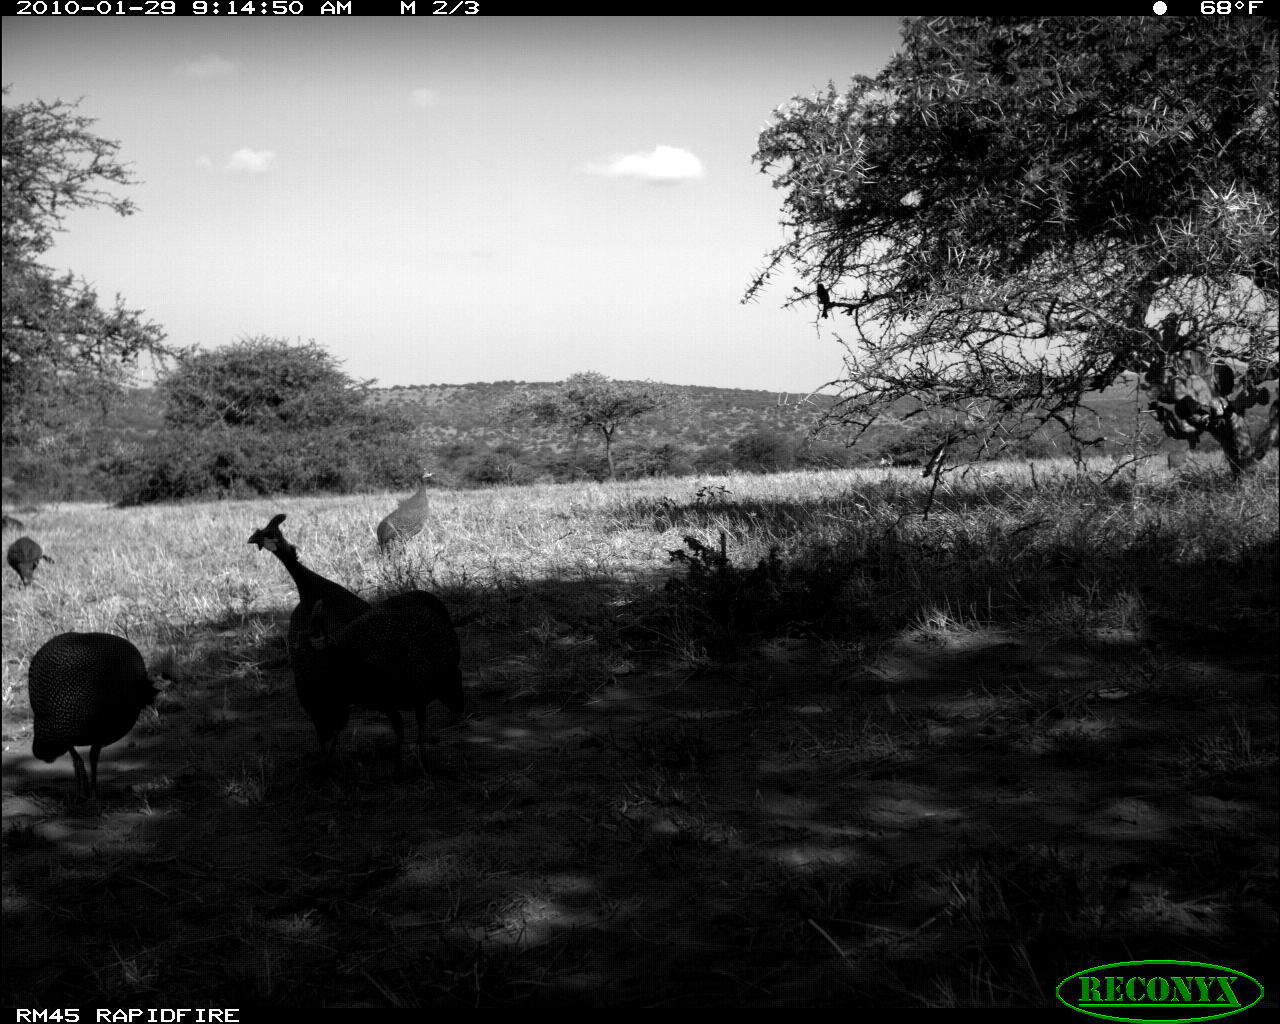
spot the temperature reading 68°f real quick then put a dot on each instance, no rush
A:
(1227, 6)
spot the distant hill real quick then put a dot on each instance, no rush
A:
(702, 417)
(462, 437)
(450, 413)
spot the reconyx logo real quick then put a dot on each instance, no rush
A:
(1163, 990)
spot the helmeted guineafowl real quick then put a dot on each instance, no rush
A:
(408, 518)
(86, 689)
(402, 654)
(340, 608)
(9, 522)
(23, 557)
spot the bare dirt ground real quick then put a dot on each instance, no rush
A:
(933, 819)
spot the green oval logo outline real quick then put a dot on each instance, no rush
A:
(1167, 1020)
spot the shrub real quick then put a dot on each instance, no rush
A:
(264, 417)
(221, 463)
(664, 459)
(823, 455)
(763, 451)
(714, 458)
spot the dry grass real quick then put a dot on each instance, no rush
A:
(867, 757)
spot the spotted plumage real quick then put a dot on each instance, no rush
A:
(408, 518)
(86, 689)
(340, 608)
(400, 655)
(23, 557)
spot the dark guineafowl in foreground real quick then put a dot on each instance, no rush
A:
(86, 689)
(402, 654)
(340, 608)
(23, 557)
(408, 518)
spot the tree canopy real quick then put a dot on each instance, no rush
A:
(1019, 211)
(265, 383)
(263, 416)
(62, 348)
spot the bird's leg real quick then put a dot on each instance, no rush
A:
(94, 751)
(397, 723)
(420, 713)
(82, 781)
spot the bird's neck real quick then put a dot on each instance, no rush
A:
(302, 576)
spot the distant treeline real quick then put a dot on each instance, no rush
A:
(133, 455)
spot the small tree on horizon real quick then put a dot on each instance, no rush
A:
(589, 402)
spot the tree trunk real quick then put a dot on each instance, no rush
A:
(608, 450)
(1232, 433)
(1272, 434)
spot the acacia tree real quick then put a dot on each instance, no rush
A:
(62, 349)
(263, 416)
(266, 384)
(1017, 212)
(590, 402)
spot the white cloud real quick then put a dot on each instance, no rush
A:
(252, 161)
(424, 97)
(208, 65)
(663, 163)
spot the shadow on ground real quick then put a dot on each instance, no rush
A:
(915, 821)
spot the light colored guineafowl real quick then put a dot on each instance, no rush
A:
(340, 608)
(402, 654)
(408, 518)
(86, 689)
(23, 557)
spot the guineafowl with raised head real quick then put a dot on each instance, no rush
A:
(23, 557)
(340, 608)
(402, 654)
(408, 518)
(86, 689)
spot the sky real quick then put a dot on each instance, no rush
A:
(445, 201)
